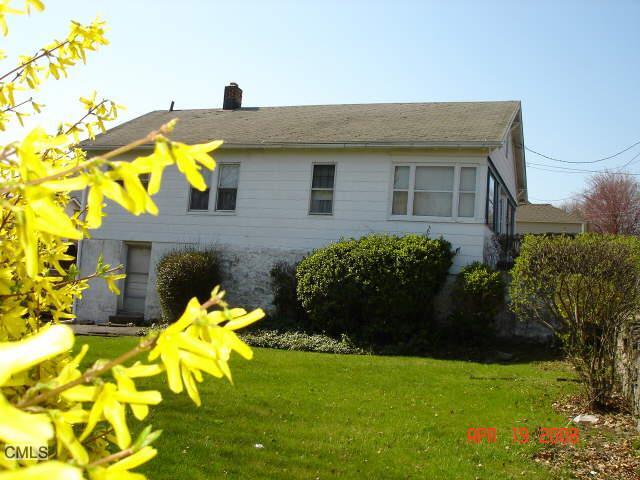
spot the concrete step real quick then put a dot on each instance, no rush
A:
(124, 319)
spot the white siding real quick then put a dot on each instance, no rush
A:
(540, 227)
(503, 160)
(273, 202)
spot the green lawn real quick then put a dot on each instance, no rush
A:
(337, 416)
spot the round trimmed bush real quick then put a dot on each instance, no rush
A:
(378, 289)
(477, 297)
(184, 274)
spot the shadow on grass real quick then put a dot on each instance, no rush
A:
(438, 344)
(490, 351)
(500, 351)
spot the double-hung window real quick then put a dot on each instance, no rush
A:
(199, 201)
(467, 192)
(433, 191)
(227, 187)
(226, 191)
(322, 184)
(400, 190)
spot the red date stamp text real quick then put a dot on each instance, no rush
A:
(521, 435)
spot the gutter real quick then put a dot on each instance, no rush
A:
(349, 145)
(83, 203)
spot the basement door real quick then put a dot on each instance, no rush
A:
(135, 289)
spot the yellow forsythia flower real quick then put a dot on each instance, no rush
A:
(52, 470)
(197, 343)
(48, 342)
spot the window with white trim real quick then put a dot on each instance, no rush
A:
(467, 192)
(227, 187)
(226, 191)
(199, 201)
(322, 184)
(400, 190)
(433, 191)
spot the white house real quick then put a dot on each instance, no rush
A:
(290, 179)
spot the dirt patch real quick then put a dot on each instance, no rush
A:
(608, 449)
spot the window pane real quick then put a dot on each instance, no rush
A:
(503, 212)
(468, 179)
(323, 176)
(491, 195)
(490, 213)
(399, 206)
(144, 179)
(434, 178)
(467, 205)
(321, 201)
(433, 204)
(199, 200)
(229, 176)
(491, 191)
(226, 199)
(401, 178)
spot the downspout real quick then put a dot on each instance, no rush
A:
(83, 203)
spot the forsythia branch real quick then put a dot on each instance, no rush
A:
(90, 374)
(151, 137)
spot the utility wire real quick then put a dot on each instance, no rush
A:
(553, 199)
(630, 161)
(548, 157)
(556, 169)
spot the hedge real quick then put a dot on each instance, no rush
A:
(378, 289)
(476, 297)
(183, 274)
(288, 314)
(586, 290)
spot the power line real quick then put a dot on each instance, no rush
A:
(556, 169)
(549, 157)
(631, 161)
(553, 199)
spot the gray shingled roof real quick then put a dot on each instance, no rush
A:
(545, 213)
(438, 124)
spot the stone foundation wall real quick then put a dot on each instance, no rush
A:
(246, 274)
(628, 363)
(246, 278)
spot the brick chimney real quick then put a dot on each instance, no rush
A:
(232, 97)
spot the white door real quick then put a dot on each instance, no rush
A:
(135, 290)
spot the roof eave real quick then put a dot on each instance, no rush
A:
(570, 222)
(281, 145)
(522, 195)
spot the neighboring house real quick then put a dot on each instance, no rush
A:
(291, 179)
(545, 218)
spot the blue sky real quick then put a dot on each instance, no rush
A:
(574, 65)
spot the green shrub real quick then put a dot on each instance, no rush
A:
(300, 341)
(584, 289)
(289, 313)
(378, 289)
(183, 274)
(477, 296)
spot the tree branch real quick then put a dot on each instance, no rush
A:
(90, 374)
(151, 137)
(45, 53)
